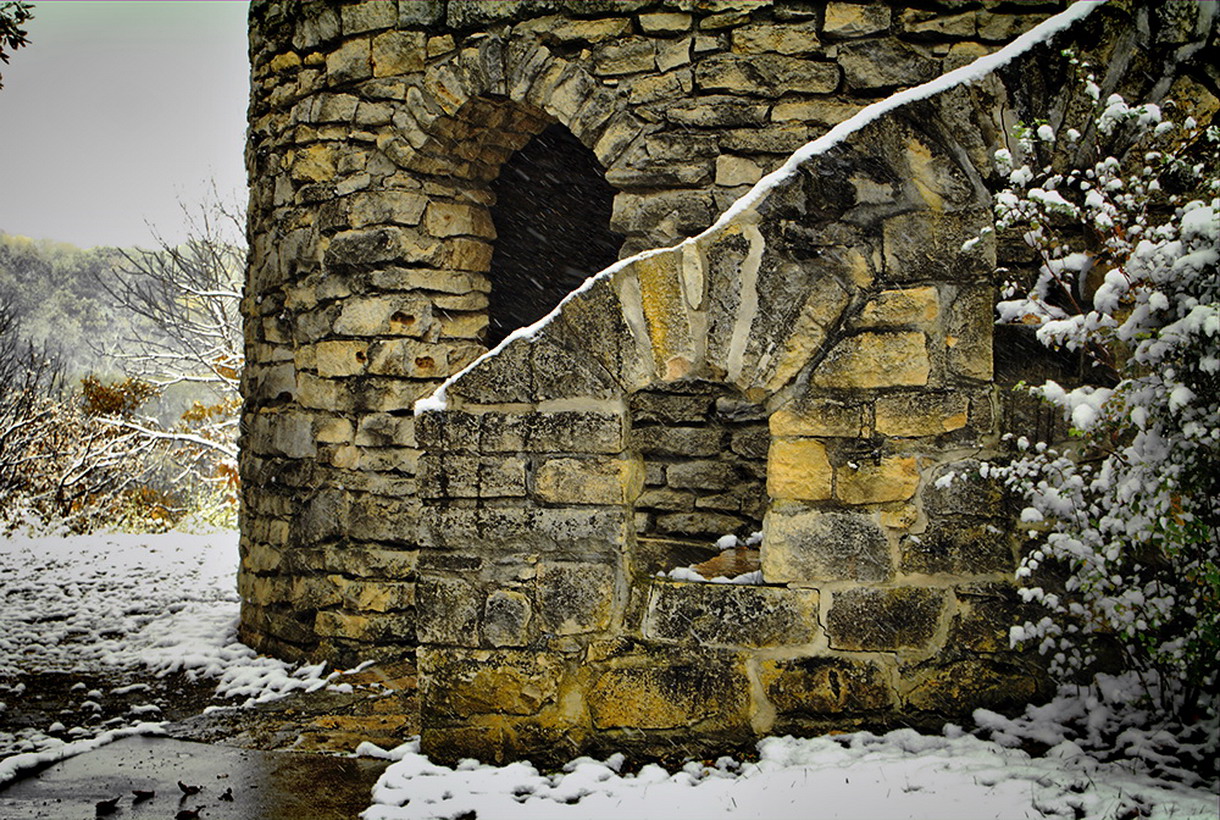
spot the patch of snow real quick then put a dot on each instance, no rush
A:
(12, 767)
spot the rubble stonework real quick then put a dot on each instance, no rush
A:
(819, 366)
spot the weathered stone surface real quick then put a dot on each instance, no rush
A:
(371, 628)
(398, 52)
(703, 475)
(588, 481)
(678, 441)
(820, 417)
(674, 693)
(957, 688)
(506, 618)
(575, 598)
(909, 306)
(818, 687)
(807, 547)
(959, 545)
(925, 246)
(883, 620)
(716, 112)
(875, 64)
(665, 22)
(761, 38)
(876, 360)
(855, 19)
(766, 75)
(458, 684)
(891, 478)
(699, 524)
(448, 611)
(968, 333)
(985, 613)
(731, 614)
(962, 488)
(921, 414)
(799, 469)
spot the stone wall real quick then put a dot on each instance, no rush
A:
(821, 364)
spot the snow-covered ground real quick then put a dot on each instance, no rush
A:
(116, 603)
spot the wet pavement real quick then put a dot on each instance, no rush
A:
(234, 784)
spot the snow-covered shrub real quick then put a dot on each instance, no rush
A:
(1124, 213)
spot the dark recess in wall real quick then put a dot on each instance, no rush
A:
(552, 218)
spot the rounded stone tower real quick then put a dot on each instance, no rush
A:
(412, 170)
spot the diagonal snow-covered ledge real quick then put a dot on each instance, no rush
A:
(965, 75)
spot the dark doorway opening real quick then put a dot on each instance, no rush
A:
(552, 218)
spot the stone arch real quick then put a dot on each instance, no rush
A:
(469, 115)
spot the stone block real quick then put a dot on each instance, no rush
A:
(575, 431)
(575, 598)
(731, 614)
(398, 52)
(871, 65)
(824, 687)
(385, 430)
(928, 24)
(763, 38)
(907, 306)
(700, 524)
(927, 246)
(806, 547)
(907, 415)
(956, 689)
(373, 627)
(350, 62)
(382, 207)
(506, 618)
(751, 443)
(672, 22)
(670, 694)
(968, 333)
(884, 620)
(420, 12)
(821, 417)
(448, 610)
(765, 75)
(455, 219)
(892, 478)
(630, 55)
(666, 499)
(716, 111)
(799, 469)
(678, 441)
(702, 475)
(670, 408)
(372, 596)
(341, 358)
(731, 170)
(389, 315)
(456, 685)
(855, 19)
(369, 562)
(368, 15)
(827, 112)
(315, 163)
(963, 488)
(959, 546)
(985, 613)
(588, 481)
(874, 359)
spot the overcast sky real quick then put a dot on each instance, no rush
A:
(116, 112)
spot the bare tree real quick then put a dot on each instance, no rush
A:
(186, 297)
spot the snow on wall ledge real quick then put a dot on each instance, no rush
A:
(817, 365)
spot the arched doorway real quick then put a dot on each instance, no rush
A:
(552, 220)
